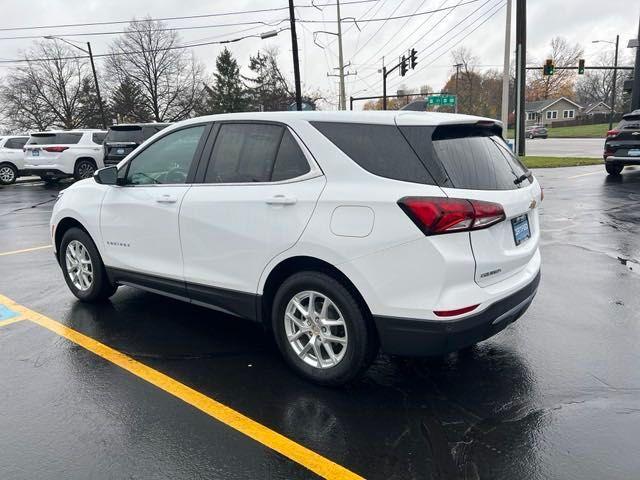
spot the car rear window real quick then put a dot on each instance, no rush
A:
(630, 122)
(472, 157)
(125, 133)
(379, 149)
(60, 138)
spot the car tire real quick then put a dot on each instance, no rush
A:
(87, 281)
(8, 174)
(614, 169)
(84, 168)
(531, 136)
(346, 320)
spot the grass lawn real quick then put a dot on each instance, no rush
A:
(599, 130)
(546, 162)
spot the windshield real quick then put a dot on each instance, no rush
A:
(124, 134)
(630, 122)
(61, 138)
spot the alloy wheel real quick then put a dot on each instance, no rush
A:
(316, 329)
(7, 174)
(85, 170)
(79, 265)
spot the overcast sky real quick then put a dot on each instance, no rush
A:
(431, 34)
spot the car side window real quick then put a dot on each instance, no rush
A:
(99, 138)
(167, 160)
(16, 143)
(290, 161)
(244, 152)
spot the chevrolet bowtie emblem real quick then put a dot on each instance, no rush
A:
(532, 205)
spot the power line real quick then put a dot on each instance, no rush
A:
(378, 30)
(175, 47)
(186, 17)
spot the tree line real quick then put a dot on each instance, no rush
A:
(146, 77)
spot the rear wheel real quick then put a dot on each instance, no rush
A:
(82, 266)
(531, 136)
(614, 169)
(321, 329)
(8, 174)
(84, 169)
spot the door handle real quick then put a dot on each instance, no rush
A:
(281, 200)
(166, 198)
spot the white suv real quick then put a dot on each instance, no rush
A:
(339, 231)
(58, 154)
(11, 158)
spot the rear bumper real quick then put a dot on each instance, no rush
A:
(622, 160)
(415, 337)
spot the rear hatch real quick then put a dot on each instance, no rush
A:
(45, 148)
(473, 162)
(624, 140)
(121, 140)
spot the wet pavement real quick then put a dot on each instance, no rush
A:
(556, 395)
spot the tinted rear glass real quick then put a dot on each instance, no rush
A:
(476, 158)
(124, 134)
(99, 138)
(62, 138)
(379, 149)
(630, 122)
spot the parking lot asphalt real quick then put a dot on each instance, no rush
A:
(555, 395)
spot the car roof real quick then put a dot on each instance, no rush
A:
(389, 117)
(77, 130)
(148, 124)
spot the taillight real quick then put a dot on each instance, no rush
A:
(437, 215)
(55, 149)
(613, 133)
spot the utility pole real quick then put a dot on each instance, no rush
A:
(95, 79)
(521, 73)
(343, 99)
(505, 72)
(635, 88)
(384, 88)
(613, 87)
(457, 65)
(294, 48)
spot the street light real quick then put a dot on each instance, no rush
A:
(93, 68)
(615, 77)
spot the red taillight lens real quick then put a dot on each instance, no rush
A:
(453, 313)
(55, 149)
(437, 215)
(613, 133)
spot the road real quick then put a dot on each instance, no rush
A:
(555, 395)
(565, 147)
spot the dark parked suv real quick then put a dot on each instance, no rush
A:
(124, 138)
(622, 146)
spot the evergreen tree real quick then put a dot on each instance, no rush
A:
(227, 93)
(268, 90)
(88, 106)
(128, 104)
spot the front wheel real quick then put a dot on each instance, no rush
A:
(8, 174)
(82, 267)
(84, 169)
(614, 169)
(321, 329)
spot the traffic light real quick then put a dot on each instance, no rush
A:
(403, 66)
(549, 67)
(414, 58)
(581, 66)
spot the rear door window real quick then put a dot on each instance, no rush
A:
(379, 149)
(473, 157)
(244, 153)
(290, 161)
(60, 138)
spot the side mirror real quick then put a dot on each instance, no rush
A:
(106, 175)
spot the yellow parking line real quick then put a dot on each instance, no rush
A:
(313, 461)
(25, 250)
(9, 321)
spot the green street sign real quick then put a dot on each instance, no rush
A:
(447, 100)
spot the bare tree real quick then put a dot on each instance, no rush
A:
(47, 90)
(563, 54)
(169, 77)
(595, 85)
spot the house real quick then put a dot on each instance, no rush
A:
(595, 108)
(546, 112)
